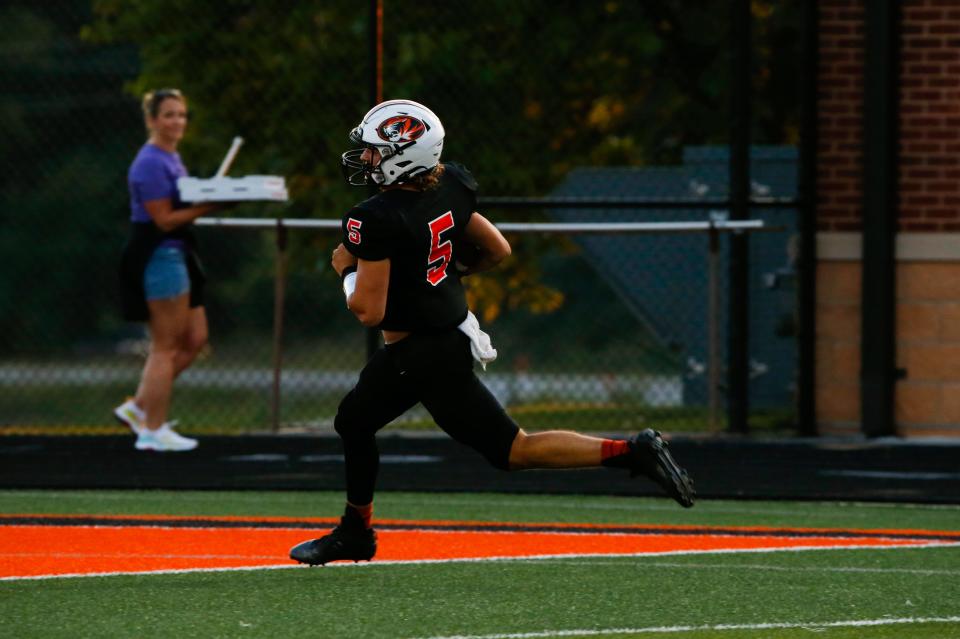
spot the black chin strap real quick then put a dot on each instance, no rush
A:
(398, 149)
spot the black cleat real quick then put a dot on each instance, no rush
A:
(651, 457)
(345, 542)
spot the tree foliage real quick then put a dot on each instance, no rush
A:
(526, 89)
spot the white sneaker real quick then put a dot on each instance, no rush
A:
(132, 415)
(164, 439)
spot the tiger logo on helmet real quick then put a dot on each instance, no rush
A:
(408, 136)
(401, 128)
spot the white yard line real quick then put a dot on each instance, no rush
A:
(841, 569)
(179, 571)
(812, 625)
(417, 562)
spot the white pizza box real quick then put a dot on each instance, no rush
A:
(233, 189)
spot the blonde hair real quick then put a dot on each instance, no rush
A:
(429, 180)
(153, 99)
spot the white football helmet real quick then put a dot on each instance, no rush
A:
(408, 136)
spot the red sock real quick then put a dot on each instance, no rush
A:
(365, 512)
(613, 448)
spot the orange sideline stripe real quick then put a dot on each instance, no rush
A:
(40, 550)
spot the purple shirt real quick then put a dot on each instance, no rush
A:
(153, 176)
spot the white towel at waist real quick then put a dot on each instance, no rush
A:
(483, 351)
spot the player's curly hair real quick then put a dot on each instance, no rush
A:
(428, 180)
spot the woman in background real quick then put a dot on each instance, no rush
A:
(161, 277)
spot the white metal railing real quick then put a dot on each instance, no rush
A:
(513, 227)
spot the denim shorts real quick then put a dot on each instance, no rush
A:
(166, 274)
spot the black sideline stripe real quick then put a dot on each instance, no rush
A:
(186, 522)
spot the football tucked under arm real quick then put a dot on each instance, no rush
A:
(466, 255)
(481, 248)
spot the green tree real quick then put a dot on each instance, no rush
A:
(62, 188)
(527, 90)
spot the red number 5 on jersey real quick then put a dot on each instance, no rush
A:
(439, 251)
(353, 230)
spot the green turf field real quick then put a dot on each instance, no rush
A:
(862, 594)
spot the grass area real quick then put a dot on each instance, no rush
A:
(807, 593)
(493, 507)
(88, 410)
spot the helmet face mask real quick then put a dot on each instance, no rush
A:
(408, 136)
(357, 172)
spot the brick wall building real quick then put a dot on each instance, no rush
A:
(927, 393)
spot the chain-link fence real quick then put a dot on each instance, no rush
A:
(586, 99)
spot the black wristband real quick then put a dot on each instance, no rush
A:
(347, 271)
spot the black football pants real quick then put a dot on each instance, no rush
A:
(437, 371)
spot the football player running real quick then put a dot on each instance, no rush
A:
(402, 258)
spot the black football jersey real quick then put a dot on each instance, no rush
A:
(418, 232)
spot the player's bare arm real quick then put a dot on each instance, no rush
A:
(493, 246)
(368, 301)
(342, 259)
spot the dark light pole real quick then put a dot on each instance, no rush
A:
(376, 97)
(879, 217)
(807, 257)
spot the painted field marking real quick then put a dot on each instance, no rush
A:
(771, 568)
(107, 545)
(422, 562)
(810, 625)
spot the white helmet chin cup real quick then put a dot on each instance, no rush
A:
(409, 137)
